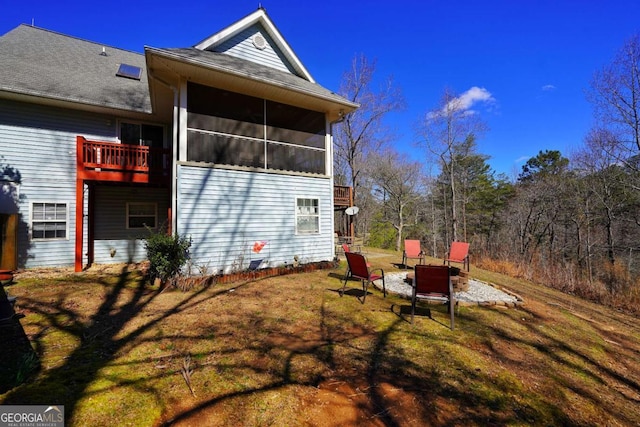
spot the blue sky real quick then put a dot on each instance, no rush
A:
(529, 63)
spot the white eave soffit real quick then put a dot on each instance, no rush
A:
(259, 16)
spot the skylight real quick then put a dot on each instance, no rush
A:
(129, 71)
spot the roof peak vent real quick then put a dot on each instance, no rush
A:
(259, 41)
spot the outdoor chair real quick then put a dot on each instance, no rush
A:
(358, 268)
(432, 282)
(346, 248)
(459, 252)
(412, 250)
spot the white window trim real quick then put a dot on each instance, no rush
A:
(311, 233)
(155, 215)
(32, 220)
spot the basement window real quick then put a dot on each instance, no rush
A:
(142, 215)
(48, 221)
(129, 71)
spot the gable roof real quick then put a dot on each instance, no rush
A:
(257, 18)
(35, 62)
(247, 77)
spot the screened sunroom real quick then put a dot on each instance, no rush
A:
(228, 128)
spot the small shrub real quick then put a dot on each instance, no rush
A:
(167, 255)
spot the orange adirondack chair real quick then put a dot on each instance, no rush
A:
(459, 252)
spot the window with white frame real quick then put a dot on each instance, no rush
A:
(49, 221)
(307, 216)
(142, 215)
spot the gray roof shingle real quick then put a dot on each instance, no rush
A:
(39, 62)
(44, 63)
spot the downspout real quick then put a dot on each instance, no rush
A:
(174, 154)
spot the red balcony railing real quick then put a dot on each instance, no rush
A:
(121, 162)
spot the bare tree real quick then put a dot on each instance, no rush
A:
(397, 181)
(447, 132)
(610, 158)
(362, 132)
(615, 95)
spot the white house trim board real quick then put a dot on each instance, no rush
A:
(259, 16)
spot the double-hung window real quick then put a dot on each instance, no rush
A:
(307, 216)
(49, 221)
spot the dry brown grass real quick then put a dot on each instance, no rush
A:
(612, 285)
(290, 351)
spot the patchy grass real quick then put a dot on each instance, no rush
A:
(289, 350)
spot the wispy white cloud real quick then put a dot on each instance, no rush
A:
(473, 96)
(466, 101)
(548, 88)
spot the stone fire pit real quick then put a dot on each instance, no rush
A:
(476, 293)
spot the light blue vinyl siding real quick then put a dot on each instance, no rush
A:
(113, 242)
(241, 46)
(225, 212)
(38, 146)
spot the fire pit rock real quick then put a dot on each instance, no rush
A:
(469, 292)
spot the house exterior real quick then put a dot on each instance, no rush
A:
(227, 142)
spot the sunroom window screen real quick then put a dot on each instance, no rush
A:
(226, 150)
(230, 128)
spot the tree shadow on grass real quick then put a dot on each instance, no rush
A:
(97, 337)
(440, 386)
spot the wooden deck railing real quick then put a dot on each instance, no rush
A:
(341, 196)
(108, 159)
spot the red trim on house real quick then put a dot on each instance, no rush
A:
(112, 162)
(79, 221)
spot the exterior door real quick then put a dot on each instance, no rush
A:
(9, 242)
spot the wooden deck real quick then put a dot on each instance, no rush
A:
(109, 161)
(342, 197)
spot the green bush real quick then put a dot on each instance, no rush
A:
(167, 255)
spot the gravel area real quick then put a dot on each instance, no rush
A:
(480, 293)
